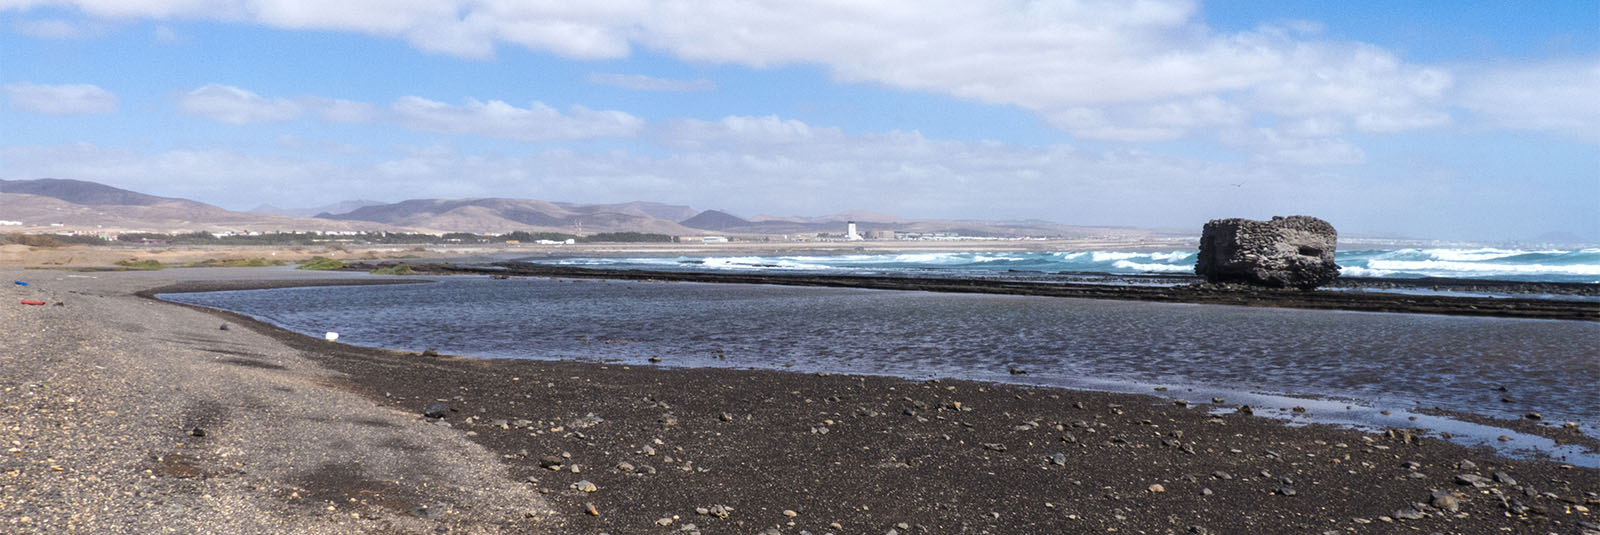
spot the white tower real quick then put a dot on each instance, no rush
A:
(850, 232)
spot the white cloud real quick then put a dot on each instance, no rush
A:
(59, 28)
(1558, 97)
(639, 82)
(770, 164)
(1107, 69)
(232, 105)
(336, 110)
(1150, 122)
(494, 118)
(165, 34)
(67, 99)
(1305, 144)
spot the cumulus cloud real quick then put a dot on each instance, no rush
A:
(493, 118)
(1102, 69)
(232, 105)
(639, 82)
(769, 164)
(59, 28)
(1557, 97)
(66, 99)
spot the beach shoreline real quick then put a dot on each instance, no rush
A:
(1174, 290)
(867, 453)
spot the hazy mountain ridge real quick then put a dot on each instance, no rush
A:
(88, 193)
(335, 208)
(59, 205)
(499, 215)
(78, 205)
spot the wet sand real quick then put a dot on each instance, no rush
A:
(656, 449)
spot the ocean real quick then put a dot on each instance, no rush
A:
(1550, 265)
(1347, 367)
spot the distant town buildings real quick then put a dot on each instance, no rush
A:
(850, 232)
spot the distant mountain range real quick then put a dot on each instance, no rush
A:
(50, 204)
(496, 215)
(335, 208)
(60, 205)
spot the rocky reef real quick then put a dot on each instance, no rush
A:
(1285, 252)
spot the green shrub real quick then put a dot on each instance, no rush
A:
(237, 262)
(397, 269)
(142, 265)
(321, 263)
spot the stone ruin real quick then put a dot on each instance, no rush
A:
(1286, 252)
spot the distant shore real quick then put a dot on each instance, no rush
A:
(106, 256)
(1061, 286)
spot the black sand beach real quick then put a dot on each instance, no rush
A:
(574, 447)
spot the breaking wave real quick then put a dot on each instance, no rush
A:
(1581, 265)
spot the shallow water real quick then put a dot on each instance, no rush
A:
(1398, 361)
(1572, 266)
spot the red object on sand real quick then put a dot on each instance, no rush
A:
(34, 303)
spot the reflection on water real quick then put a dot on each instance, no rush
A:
(1391, 360)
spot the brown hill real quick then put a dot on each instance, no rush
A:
(82, 192)
(56, 205)
(59, 205)
(505, 215)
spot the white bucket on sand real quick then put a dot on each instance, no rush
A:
(331, 336)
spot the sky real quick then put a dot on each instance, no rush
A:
(1427, 118)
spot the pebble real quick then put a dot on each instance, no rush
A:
(1157, 488)
(589, 508)
(1059, 459)
(1475, 480)
(1444, 500)
(1408, 513)
(1284, 491)
(790, 513)
(436, 410)
(585, 486)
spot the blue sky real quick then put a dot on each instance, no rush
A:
(1454, 120)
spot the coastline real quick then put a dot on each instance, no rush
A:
(1234, 295)
(869, 454)
(884, 459)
